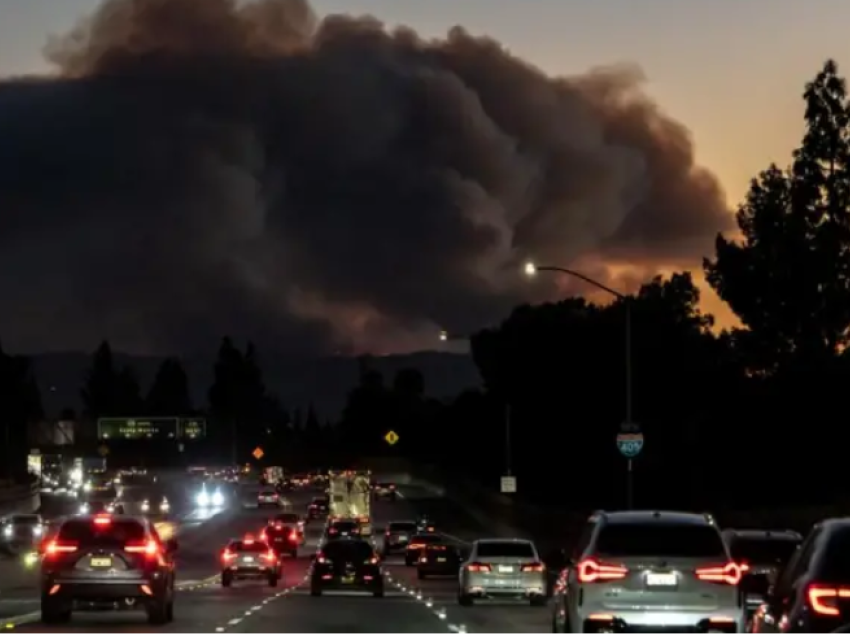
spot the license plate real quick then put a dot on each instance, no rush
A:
(99, 562)
(402, 537)
(248, 559)
(441, 559)
(661, 579)
(505, 569)
(348, 579)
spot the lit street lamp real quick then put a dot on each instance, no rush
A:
(531, 270)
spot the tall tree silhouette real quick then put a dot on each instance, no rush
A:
(169, 392)
(100, 392)
(788, 279)
(20, 404)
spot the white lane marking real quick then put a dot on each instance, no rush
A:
(234, 621)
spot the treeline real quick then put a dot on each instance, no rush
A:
(750, 416)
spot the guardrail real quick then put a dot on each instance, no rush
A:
(19, 499)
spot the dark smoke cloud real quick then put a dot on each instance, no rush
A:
(197, 167)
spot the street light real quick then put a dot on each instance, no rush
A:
(446, 336)
(531, 269)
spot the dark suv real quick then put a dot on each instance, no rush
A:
(102, 560)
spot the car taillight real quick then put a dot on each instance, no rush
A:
(729, 574)
(320, 558)
(415, 546)
(372, 561)
(270, 556)
(149, 549)
(590, 571)
(533, 567)
(293, 535)
(823, 599)
(278, 526)
(333, 531)
(102, 520)
(745, 567)
(55, 547)
(264, 536)
(312, 506)
(227, 555)
(478, 567)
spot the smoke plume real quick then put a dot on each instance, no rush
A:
(201, 167)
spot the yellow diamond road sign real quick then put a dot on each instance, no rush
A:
(391, 438)
(258, 453)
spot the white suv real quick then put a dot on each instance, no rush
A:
(649, 571)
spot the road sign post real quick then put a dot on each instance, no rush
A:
(630, 445)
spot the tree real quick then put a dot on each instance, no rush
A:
(788, 279)
(128, 394)
(20, 404)
(169, 393)
(100, 391)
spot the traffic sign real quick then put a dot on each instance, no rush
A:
(391, 438)
(630, 441)
(508, 485)
(258, 453)
(103, 450)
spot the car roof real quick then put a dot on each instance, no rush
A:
(781, 535)
(510, 540)
(656, 516)
(348, 541)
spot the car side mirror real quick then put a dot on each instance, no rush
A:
(171, 545)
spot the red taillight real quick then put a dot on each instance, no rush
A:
(590, 571)
(534, 567)
(227, 555)
(149, 549)
(478, 567)
(293, 536)
(102, 520)
(320, 558)
(263, 536)
(373, 561)
(729, 574)
(416, 546)
(53, 548)
(333, 531)
(823, 599)
(278, 526)
(270, 556)
(745, 567)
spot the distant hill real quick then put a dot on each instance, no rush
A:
(324, 382)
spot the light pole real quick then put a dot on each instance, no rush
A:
(531, 270)
(446, 336)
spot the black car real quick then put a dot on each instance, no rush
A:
(398, 535)
(417, 546)
(102, 560)
(318, 508)
(812, 592)
(283, 535)
(348, 564)
(343, 528)
(250, 559)
(439, 560)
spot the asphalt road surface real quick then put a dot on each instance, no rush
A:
(202, 605)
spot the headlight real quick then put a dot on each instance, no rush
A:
(84, 509)
(164, 506)
(110, 508)
(145, 506)
(8, 531)
(37, 531)
(217, 498)
(31, 559)
(87, 487)
(203, 499)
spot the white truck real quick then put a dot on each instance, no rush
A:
(350, 494)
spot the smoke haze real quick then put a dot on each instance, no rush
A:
(202, 167)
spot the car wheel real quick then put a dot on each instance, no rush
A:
(169, 611)
(379, 593)
(157, 610)
(273, 580)
(464, 600)
(226, 579)
(53, 611)
(421, 575)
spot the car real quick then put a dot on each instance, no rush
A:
(761, 555)
(500, 568)
(161, 506)
(417, 544)
(268, 497)
(101, 560)
(348, 564)
(812, 592)
(343, 528)
(439, 560)
(649, 571)
(283, 535)
(97, 506)
(21, 531)
(318, 508)
(385, 490)
(397, 536)
(291, 519)
(248, 558)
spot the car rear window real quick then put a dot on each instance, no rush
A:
(355, 550)
(514, 549)
(763, 551)
(254, 546)
(345, 525)
(403, 526)
(660, 539)
(89, 533)
(834, 565)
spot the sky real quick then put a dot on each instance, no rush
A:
(730, 72)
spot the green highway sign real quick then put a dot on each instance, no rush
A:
(152, 428)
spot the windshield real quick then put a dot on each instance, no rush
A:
(355, 550)
(516, 549)
(26, 520)
(427, 538)
(87, 532)
(253, 546)
(660, 539)
(345, 525)
(402, 527)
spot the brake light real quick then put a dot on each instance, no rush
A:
(263, 536)
(823, 599)
(102, 520)
(534, 567)
(320, 558)
(270, 556)
(333, 531)
(278, 526)
(149, 549)
(372, 561)
(227, 555)
(54, 548)
(745, 567)
(416, 546)
(478, 567)
(293, 535)
(590, 571)
(729, 574)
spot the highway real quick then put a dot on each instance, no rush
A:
(202, 605)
